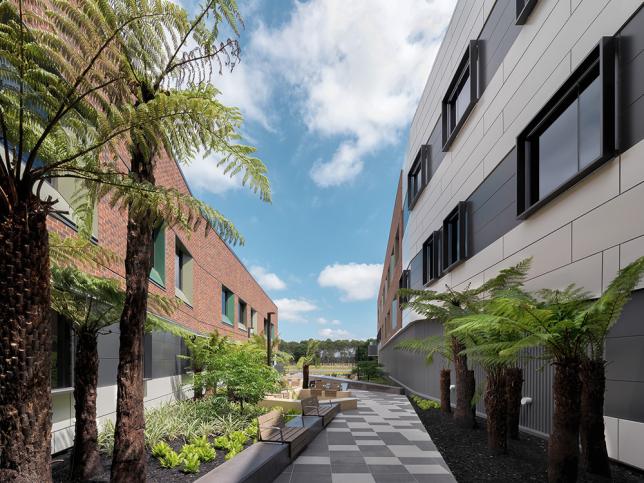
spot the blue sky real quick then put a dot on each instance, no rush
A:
(327, 89)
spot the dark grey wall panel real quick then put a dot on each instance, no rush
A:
(624, 400)
(493, 205)
(631, 86)
(626, 356)
(498, 34)
(435, 141)
(416, 271)
(165, 349)
(632, 321)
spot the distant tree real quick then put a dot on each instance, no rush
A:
(310, 358)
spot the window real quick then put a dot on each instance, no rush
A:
(227, 306)
(394, 314)
(183, 268)
(61, 352)
(431, 258)
(242, 314)
(524, 8)
(147, 356)
(253, 320)
(571, 136)
(69, 194)
(461, 95)
(418, 176)
(404, 283)
(157, 272)
(454, 243)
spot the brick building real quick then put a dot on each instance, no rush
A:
(217, 291)
(389, 311)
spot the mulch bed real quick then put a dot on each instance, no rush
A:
(155, 473)
(466, 453)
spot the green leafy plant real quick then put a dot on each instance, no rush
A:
(106, 437)
(191, 462)
(161, 449)
(233, 443)
(170, 459)
(426, 404)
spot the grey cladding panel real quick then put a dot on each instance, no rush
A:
(631, 322)
(626, 359)
(497, 36)
(493, 205)
(624, 400)
(416, 271)
(631, 56)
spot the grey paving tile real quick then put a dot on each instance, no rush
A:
(381, 460)
(426, 469)
(376, 451)
(350, 468)
(312, 460)
(394, 478)
(385, 469)
(311, 478)
(435, 478)
(346, 457)
(353, 478)
(312, 469)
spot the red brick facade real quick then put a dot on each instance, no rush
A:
(214, 265)
(389, 282)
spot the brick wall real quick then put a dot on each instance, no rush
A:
(214, 265)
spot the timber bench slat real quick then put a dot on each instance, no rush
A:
(272, 428)
(311, 407)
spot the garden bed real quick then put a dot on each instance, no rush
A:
(154, 471)
(466, 453)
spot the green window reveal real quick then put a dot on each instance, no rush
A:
(227, 306)
(242, 314)
(157, 273)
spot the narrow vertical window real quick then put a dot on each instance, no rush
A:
(183, 272)
(454, 236)
(227, 306)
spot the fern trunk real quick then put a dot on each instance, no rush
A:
(85, 461)
(593, 439)
(496, 407)
(25, 345)
(514, 385)
(563, 444)
(129, 458)
(465, 387)
(305, 376)
(445, 382)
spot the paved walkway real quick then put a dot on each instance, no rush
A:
(383, 441)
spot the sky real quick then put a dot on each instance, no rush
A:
(327, 89)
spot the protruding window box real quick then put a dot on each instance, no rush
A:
(418, 176)
(461, 96)
(523, 10)
(573, 135)
(431, 258)
(455, 237)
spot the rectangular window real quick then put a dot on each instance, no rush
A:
(61, 352)
(394, 314)
(227, 306)
(404, 283)
(253, 320)
(157, 272)
(461, 95)
(572, 135)
(419, 175)
(454, 243)
(183, 270)
(523, 10)
(242, 314)
(431, 258)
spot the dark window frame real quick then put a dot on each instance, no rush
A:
(523, 10)
(242, 314)
(419, 174)
(457, 217)
(468, 67)
(62, 341)
(602, 56)
(404, 283)
(431, 253)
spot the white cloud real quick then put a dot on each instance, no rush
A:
(323, 321)
(266, 279)
(357, 281)
(334, 333)
(294, 310)
(356, 70)
(204, 174)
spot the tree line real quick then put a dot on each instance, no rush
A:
(329, 350)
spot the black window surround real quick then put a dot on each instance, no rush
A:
(455, 237)
(524, 9)
(431, 258)
(418, 176)
(62, 350)
(403, 283)
(597, 73)
(461, 96)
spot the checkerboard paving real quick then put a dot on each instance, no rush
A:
(382, 441)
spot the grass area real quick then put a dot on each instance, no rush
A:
(340, 370)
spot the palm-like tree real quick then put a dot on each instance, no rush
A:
(311, 357)
(91, 304)
(429, 347)
(599, 317)
(445, 307)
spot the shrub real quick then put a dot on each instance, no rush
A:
(426, 404)
(191, 463)
(232, 443)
